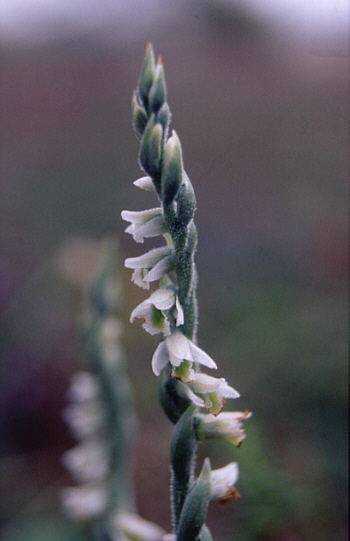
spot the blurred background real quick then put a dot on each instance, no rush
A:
(259, 96)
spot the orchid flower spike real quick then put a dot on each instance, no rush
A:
(171, 310)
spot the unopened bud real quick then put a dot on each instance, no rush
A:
(139, 116)
(172, 169)
(151, 147)
(157, 93)
(147, 75)
(186, 203)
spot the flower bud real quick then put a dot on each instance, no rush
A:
(151, 147)
(139, 116)
(164, 116)
(157, 93)
(186, 202)
(172, 169)
(147, 75)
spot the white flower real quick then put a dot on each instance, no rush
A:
(154, 310)
(145, 183)
(83, 419)
(83, 387)
(85, 501)
(87, 461)
(212, 391)
(222, 483)
(177, 348)
(228, 425)
(150, 266)
(145, 223)
(136, 528)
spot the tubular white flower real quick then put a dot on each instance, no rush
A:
(83, 387)
(228, 425)
(150, 266)
(177, 348)
(212, 391)
(87, 461)
(83, 419)
(145, 223)
(145, 183)
(154, 310)
(203, 383)
(222, 483)
(86, 501)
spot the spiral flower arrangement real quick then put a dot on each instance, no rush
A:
(101, 417)
(192, 399)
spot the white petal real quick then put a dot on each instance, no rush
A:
(222, 479)
(180, 319)
(199, 356)
(145, 183)
(140, 311)
(160, 358)
(149, 259)
(187, 393)
(152, 228)
(227, 391)
(159, 269)
(140, 216)
(138, 278)
(203, 383)
(235, 416)
(163, 299)
(179, 348)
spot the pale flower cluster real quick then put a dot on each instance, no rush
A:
(163, 312)
(88, 460)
